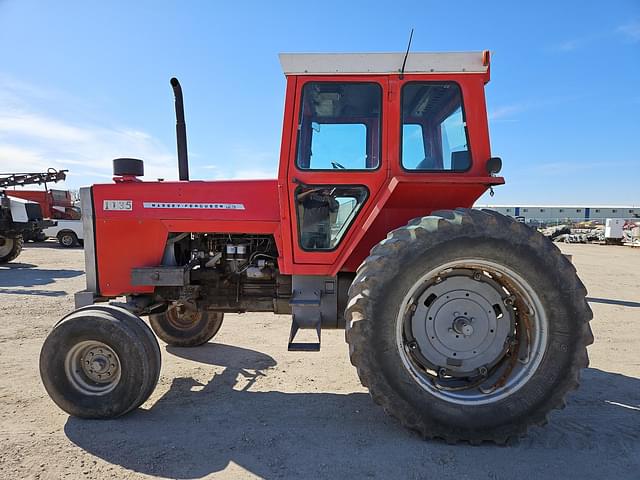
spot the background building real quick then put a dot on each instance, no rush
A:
(549, 214)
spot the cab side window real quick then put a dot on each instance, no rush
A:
(325, 213)
(339, 126)
(434, 132)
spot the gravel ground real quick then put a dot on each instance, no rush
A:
(244, 407)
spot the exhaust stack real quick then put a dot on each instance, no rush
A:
(181, 131)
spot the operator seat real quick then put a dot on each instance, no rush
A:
(460, 161)
(427, 164)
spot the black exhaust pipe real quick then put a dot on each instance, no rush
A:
(181, 131)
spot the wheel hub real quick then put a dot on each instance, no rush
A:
(183, 318)
(461, 325)
(98, 364)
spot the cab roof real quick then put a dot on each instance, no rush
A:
(383, 63)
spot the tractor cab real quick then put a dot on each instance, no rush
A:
(368, 145)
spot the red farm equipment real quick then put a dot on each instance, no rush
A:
(464, 324)
(22, 218)
(55, 204)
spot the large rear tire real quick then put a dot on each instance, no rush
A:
(10, 248)
(467, 325)
(186, 328)
(100, 362)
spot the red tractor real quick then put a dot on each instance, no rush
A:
(463, 324)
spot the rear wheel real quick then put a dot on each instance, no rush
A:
(100, 362)
(185, 328)
(67, 239)
(467, 325)
(10, 248)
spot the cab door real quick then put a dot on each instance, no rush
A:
(337, 164)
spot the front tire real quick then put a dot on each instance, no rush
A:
(100, 362)
(467, 325)
(67, 239)
(186, 328)
(10, 248)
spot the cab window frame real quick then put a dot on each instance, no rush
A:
(298, 125)
(402, 124)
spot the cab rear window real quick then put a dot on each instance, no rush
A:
(434, 131)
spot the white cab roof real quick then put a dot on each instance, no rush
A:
(368, 63)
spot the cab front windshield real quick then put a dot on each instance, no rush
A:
(339, 127)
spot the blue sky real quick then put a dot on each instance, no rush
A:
(82, 82)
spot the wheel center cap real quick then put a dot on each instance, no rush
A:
(99, 364)
(463, 326)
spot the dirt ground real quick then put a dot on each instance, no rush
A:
(244, 407)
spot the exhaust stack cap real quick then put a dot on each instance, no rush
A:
(128, 167)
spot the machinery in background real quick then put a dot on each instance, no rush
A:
(613, 231)
(55, 205)
(20, 218)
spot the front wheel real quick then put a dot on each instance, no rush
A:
(185, 328)
(100, 362)
(466, 325)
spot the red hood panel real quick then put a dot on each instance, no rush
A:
(250, 200)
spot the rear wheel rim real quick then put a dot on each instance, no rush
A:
(471, 332)
(92, 367)
(185, 320)
(6, 245)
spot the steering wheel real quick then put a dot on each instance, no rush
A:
(337, 165)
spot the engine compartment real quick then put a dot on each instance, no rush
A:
(248, 256)
(226, 272)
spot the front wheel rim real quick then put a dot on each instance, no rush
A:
(92, 367)
(471, 332)
(67, 240)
